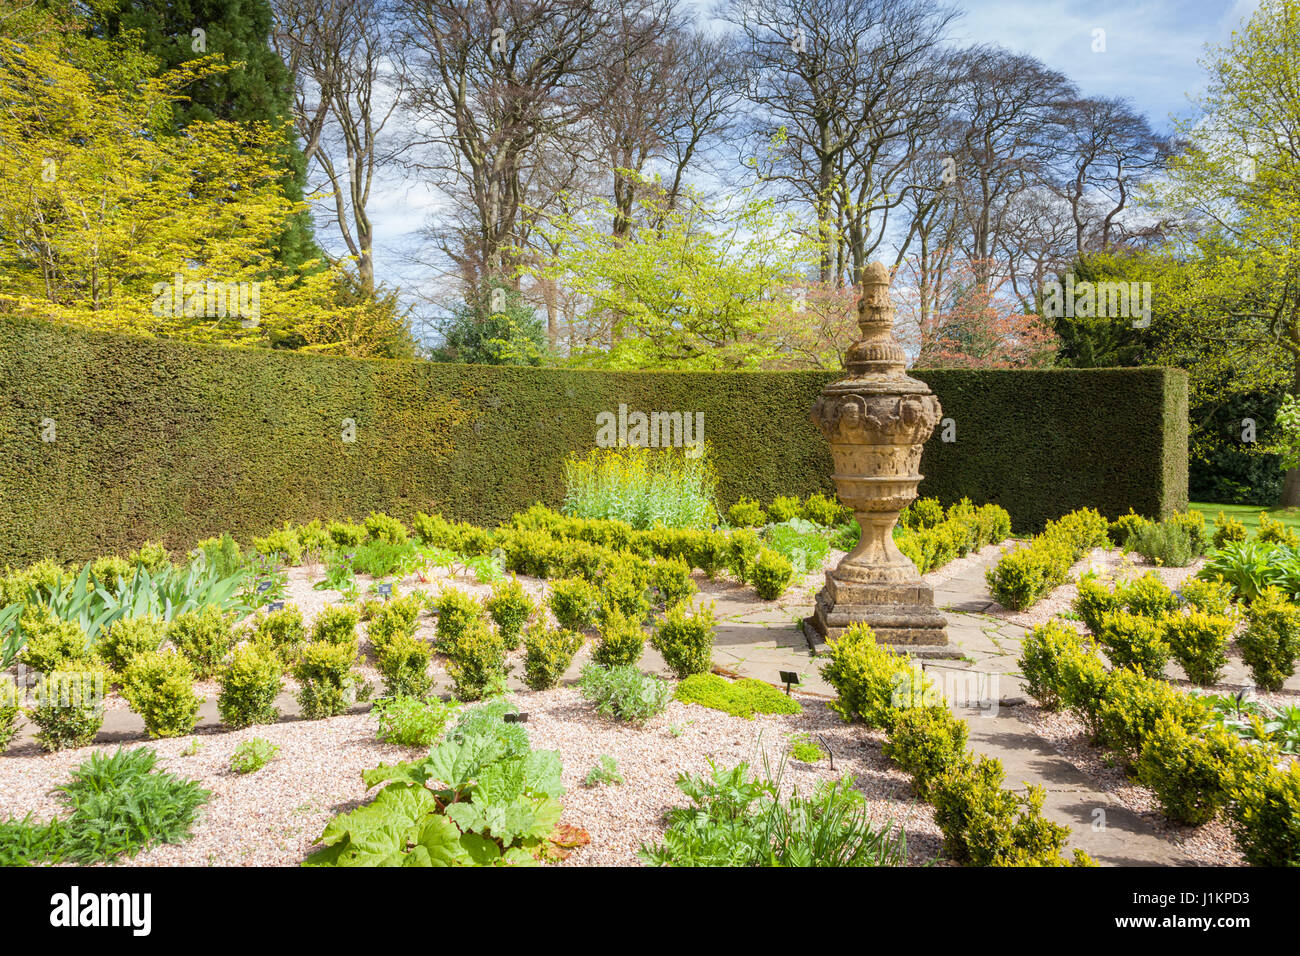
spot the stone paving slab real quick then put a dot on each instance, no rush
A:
(1109, 832)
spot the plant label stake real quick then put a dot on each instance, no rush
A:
(386, 590)
(521, 718)
(274, 606)
(830, 753)
(788, 678)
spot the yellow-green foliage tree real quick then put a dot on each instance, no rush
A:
(691, 288)
(1227, 292)
(110, 220)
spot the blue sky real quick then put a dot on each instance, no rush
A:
(1153, 49)
(1152, 46)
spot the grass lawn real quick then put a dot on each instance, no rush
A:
(1248, 514)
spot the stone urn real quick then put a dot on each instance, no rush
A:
(877, 420)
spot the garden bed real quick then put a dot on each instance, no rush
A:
(273, 816)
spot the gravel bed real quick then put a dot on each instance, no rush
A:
(271, 817)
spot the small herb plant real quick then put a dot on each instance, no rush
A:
(605, 772)
(252, 755)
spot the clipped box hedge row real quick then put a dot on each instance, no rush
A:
(156, 439)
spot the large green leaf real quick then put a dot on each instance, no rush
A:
(377, 834)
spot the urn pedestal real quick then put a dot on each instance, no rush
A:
(876, 421)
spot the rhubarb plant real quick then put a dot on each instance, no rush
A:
(482, 797)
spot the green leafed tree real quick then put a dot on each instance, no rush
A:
(497, 327)
(259, 89)
(692, 287)
(1228, 290)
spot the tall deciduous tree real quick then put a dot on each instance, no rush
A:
(850, 90)
(488, 82)
(339, 55)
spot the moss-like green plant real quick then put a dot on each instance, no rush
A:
(742, 698)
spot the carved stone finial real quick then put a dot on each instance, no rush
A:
(877, 352)
(877, 420)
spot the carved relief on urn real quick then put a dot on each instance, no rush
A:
(876, 421)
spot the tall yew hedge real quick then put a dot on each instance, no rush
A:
(164, 440)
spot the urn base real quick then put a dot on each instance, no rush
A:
(903, 616)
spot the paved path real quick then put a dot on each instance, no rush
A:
(759, 642)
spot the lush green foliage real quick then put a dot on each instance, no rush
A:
(548, 652)
(117, 805)
(159, 686)
(574, 602)
(1264, 813)
(252, 755)
(204, 637)
(69, 708)
(735, 819)
(481, 797)
(685, 640)
(326, 683)
(926, 742)
(624, 693)
(771, 574)
(604, 773)
(984, 824)
(1270, 644)
(476, 661)
(869, 680)
(413, 722)
(1026, 574)
(1199, 642)
(250, 683)
(620, 641)
(672, 487)
(404, 666)
(510, 607)
(1131, 640)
